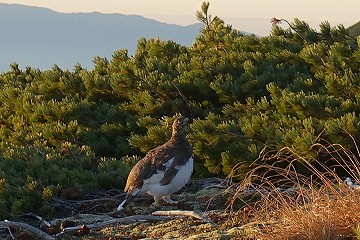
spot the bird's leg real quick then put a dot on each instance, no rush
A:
(169, 200)
(156, 201)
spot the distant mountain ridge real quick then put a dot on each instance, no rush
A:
(39, 37)
(354, 30)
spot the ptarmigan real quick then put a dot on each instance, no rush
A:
(351, 184)
(164, 170)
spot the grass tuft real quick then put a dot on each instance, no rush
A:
(310, 203)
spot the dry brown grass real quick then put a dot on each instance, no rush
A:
(290, 205)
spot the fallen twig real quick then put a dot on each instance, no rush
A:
(254, 191)
(76, 206)
(46, 223)
(9, 231)
(38, 232)
(86, 205)
(95, 226)
(194, 214)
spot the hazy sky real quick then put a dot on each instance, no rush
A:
(233, 12)
(252, 16)
(183, 11)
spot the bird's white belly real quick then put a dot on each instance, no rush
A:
(154, 188)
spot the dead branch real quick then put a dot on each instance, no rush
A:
(43, 221)
(193, 214)
(76, 205)
(8, 224)
(99, 225)
(10, 233)
(263, 192)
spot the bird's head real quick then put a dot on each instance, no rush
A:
(178, 125)
(348, 181)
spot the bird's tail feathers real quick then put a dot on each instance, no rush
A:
(128, 199)
(122, 205)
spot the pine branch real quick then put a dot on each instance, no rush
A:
(8, 224)
(187, 105)
(276, 21)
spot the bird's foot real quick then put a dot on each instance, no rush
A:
(169, 200)
(156, 202)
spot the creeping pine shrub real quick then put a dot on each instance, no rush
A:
(112, 173)
(289, 205)
(31, 177)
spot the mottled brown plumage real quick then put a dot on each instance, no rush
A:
(164, 170)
